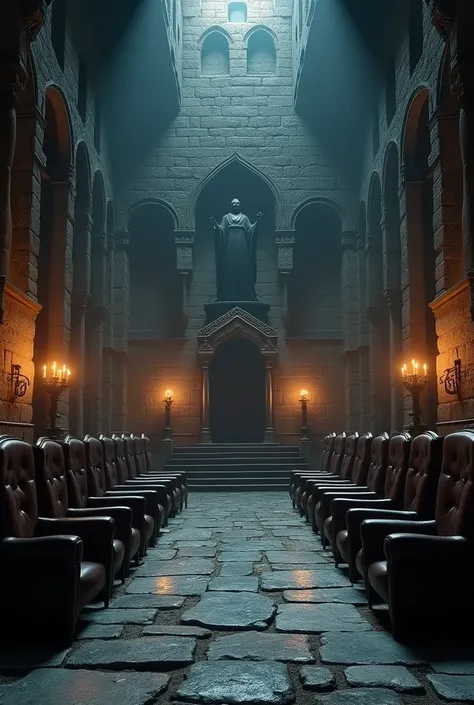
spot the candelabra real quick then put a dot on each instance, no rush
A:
(415, 383)
(304, 414)
(168, 401)
(55, 384)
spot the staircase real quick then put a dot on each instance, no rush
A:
(243, 467)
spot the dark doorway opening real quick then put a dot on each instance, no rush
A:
(237, 393)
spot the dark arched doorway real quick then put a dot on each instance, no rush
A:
(237, 393)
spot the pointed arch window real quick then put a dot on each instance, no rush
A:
(215, 55)
(261, 53)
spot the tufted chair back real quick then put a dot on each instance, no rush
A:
(140, 457)
(146, 448)
(76, 471)
(96, 481)
(328, 448)
(120, 459)
(362, 459)
(424, 467)
(397, 468)
(112, 475)
(337, 456)
(18, 501)
(455, 497)
(349, 456)
(378, 463)
(51, 479)
(129, 447)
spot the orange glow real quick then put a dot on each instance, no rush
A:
(59, 373)
(304, 393)
(415, 369)
(168, 395)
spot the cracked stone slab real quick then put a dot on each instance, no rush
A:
(347, 596)
(361, 696)
(231, 610)
(161, 554)
(241, 534)
(317, 678)
(191, 534)
(303, 579)
(176, 630)
(258, 646)
(458, 688)
(233, 556)
(82, 687)
(296, 557)
(197, 552)
(152, 602)
(253, 545)
(120, 616)
(232, 683)
(320, 562)
(101, 631)
(169, 585)
(370, 648)
(185, 566)
(235, 569)
(396, 678)
(315, 619)
(196, 544)
(234, 584)
(141, 654)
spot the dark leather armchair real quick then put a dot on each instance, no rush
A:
(51, 568)
(333, 474)
(423, 569)
(170, 488)
(421, 481)
(328, 448)
(53, 502)
(178, 478)
(78, 496)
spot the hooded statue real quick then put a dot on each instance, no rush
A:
(236, 255)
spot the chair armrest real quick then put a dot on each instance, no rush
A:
(43, 549)
(150, 497)
(122, 517)
(401, 547)
(328, 497)
(374, 532)
(157, 487)
(341, 505)
(97, 534)
(133, 502)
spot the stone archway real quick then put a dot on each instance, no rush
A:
(237, 335)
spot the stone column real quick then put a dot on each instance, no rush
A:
(96, 317)
(184, 243)
(285, 241)
(205, 423)
(269, 429)
(393, 298)
(121, 326)
(20, 23)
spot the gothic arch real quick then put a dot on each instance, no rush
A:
(261, 51)
(411, 122)
(227, 162)
(154, 202)
(260, 28)
(55, 101)
(211, 30)
(98, 201)
(318, 201)
(391, 155)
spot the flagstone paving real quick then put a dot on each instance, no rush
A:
(238, 603)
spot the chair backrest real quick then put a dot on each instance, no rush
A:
(455, 497)
(51, 478)
(140, 456)
(424, 467)
(112, 475)
(120, 458)
(328, 448)
(398, 454)
(76, 471)
(96, 481)
(148, 458)
(349, 456)
(378, 464)
(18, 499)
(129, 448)
(360, 468)
(337, 456)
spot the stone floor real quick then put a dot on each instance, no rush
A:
(237, 604)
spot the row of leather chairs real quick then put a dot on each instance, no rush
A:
(74, 515)
(399, 512)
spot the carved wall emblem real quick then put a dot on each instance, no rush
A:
(234, 324)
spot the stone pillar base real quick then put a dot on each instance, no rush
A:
(270, 436)
(306, 451)
(206, 435)
(166, 450)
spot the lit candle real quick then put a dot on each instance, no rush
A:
(54, 369)
(416, 368)
(403, 371)
(68, 374)
(425, 369)
(60, 372)
(413, 364)
(44, 371)
(64, 372)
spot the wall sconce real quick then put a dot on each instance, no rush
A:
(20, 383)
(451, 380)
(304, 413)
(415, 383)
(55, 384)
(168, 401)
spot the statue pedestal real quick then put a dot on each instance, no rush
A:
(220, 308)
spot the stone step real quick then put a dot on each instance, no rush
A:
(274, 487)
(236, 472)
(212, 449)
(231, 479)
(277, 460)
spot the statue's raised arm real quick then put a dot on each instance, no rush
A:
(213, 222)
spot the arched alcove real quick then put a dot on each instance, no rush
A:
(237, 12)
(215, 54)
(155, 287)
(378, 313)
(261, 53)
(392, 278)
(420, 242)
(314, 291)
